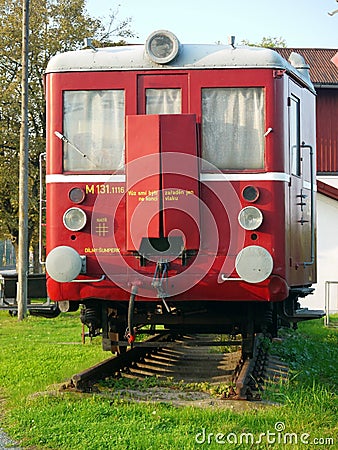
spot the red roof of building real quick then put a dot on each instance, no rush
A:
(322, 69)
(326, 189)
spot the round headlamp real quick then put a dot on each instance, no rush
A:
(63, 264)
(74, 219)
(250, 218)
(162, 47)
(254, 264)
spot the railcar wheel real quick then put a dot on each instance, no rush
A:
(248, 340)
(118, 349)
(91, 317)
(67, 306)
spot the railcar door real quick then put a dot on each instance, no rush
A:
(163, 200)
(302, 197)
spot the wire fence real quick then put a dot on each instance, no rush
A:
(7, 255)
(331, 304)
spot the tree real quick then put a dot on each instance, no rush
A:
(267, 42)
(56, 26)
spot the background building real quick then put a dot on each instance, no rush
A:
(324, 76)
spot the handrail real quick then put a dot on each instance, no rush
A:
(42, 205)
(312, 212)
(96, 280)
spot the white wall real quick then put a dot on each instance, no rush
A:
(327, 253)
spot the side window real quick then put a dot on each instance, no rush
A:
(294, 133)
(163, 101)
(233, 121)
(93, 125)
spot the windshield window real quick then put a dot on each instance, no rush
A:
(93, 125)
(233, 127)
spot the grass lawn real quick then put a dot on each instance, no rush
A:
(38, 353)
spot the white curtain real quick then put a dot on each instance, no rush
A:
(163, 101)
(233, 127)
(93, 122)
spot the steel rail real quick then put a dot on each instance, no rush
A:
(248, 376)
(84, 381)
(192, 343)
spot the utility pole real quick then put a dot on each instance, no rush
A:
(23, 171)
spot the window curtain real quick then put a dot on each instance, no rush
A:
(163, 101)
(94, 123)
(233, 127)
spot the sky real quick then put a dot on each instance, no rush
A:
(301, 23)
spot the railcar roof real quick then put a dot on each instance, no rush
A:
(191, 56)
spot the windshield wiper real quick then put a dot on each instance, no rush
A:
(67, 141)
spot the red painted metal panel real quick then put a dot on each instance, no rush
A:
(53, 123)
(180, 178)
(149, 139)
(160, 81)
(142, 178)
(162, 146)
(327, 130)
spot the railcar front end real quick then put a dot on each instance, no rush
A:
(180, 183)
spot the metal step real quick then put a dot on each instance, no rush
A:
(305, 313)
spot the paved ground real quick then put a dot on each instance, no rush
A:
(6, 443)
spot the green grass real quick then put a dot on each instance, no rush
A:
(38, 352)
(333, 320)
(34, 357)
(312, 354)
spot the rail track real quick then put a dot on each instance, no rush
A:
(187, 358)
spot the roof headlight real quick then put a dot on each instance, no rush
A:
(162, 46)
(74, 219)
(250, 218)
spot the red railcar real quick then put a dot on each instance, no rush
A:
(180, 185)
